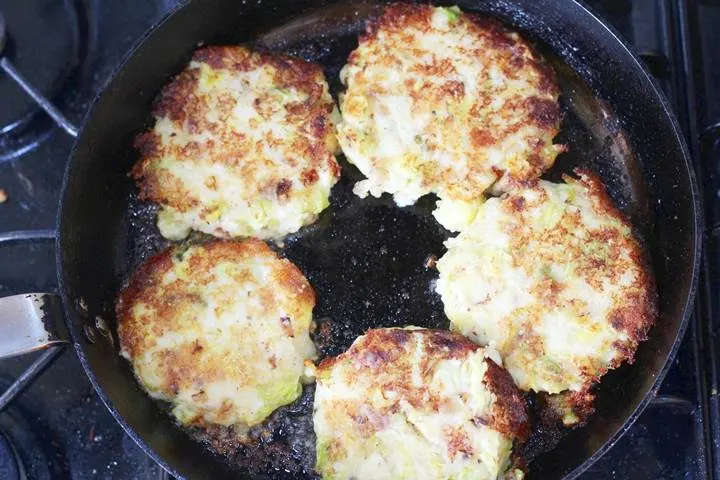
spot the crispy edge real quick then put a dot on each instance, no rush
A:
(543, 112)
(178, 101)
(396, 16)
(640, 312)
(509, 414)
(378, 346)
(634, 319)
(554, 408)
(142, 279)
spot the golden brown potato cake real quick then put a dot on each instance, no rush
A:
(553, 278)
(445, 102)
(243, 145)
(416, 404)
(219, 330)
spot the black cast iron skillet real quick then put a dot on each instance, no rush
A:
(366, 258)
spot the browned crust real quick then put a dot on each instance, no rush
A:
(181, 102)
(309, 176)
(503, 38)
(145, 286)
(381, 345)
(390, 348)
(601, 255)
(396, 16)
(517, 204)
(582, 404)
(168, 102)
(553, 408)
(639, 310)
(143, 278)
(593, 183)
(292, 71)
(459, 443)
(510, 413)
(515, 58)
(544, 112)
(482, 138)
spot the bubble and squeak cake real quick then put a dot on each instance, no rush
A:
(553, 278)
(445, 102)
(243, 145)
(416, 404)
(219, 330)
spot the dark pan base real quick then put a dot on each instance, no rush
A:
(365, 257)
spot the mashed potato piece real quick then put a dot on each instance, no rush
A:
(243, 145)
(552, 277)
(445, 102)
(416, 404)
(219, 330)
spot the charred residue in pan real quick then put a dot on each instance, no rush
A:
(367, 266)
(281, 447)
(145, 239)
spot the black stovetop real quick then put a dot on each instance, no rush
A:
(68, 48)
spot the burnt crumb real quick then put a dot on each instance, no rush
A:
(518, 463)
(324, 336)
(431, 262)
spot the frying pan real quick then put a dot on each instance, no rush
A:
(365, 258)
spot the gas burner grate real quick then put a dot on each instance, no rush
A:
(35, 67)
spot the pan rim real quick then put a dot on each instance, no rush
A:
(654, 91)
(697, 229)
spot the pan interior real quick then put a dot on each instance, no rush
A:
(366, 258)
